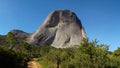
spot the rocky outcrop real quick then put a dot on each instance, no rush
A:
(61, 29)
(20, 34)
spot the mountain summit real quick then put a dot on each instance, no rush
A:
(61, 29)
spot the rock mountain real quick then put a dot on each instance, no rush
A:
(61, 29)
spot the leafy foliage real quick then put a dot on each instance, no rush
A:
(11, 40)
(15, 53)
(88, 55)
(12, 59)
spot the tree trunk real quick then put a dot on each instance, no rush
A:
(58, 64)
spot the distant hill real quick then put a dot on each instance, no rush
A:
(20, 34)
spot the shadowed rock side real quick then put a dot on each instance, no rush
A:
(61, 29)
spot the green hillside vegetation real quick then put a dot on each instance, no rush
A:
(15, 53)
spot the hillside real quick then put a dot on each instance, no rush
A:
(60, 42)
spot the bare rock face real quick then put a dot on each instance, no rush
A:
(61, 29)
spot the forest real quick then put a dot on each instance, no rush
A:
(15, 53)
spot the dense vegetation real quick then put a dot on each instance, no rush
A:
(15, 53)
(88, 55)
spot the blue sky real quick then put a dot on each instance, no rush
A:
(100, 18)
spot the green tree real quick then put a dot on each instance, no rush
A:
(10, 58)
(116, 53)
(95, 54)
(54, 55)
(58, 56)
(44, 50)
(116, 56)
(11, 40)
